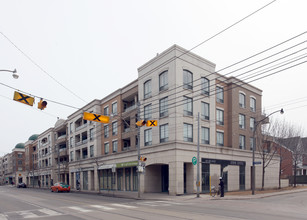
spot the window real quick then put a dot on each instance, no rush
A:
(242, 142)
(163, 107)
(188, 132)
(205, 135)
(204, 86)
(163, 133)
(114, 108)
(71, 127)
(106, 110)
(147, 89)
(106, 148)
(114, 128)
(91, 133)
(252, 124)
(147, 112)
(251, 143)
(253, 104)
(219, 117)
(187, 79)
(219, 138)
(188, 106)
(106, 131)
(71, 156)
(219, 94)
(205, 112)
(92, 151)
(241, 100)
(163, 81)
(114, 146)
(242, 121)
(71, 142)
(148, 137)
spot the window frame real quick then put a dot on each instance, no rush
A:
(114, 128)
(163, 107)
(163, 133)
(163, 81)
(252, 104)
(187, 106)
(219, 94)
(148, 137)
(187, 79)
(205, 89)
(205, 131)
(106, 149)
(205, 108)
(242, 121)
(242, 142)
(219, 117)
(218, 135)
(187, 132)
(242, 100)
(114, 147)
(147, 89)
(148, 112)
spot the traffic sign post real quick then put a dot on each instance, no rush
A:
(96, 117)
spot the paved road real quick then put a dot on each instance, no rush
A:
(41, 204)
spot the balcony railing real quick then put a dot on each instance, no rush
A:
(80, 127)
(130, 108)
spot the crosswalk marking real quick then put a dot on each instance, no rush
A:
(27, 214)
(49, 212)
(2, 217)
(102, 207)
(79, 209)
(124, 206)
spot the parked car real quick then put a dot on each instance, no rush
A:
(21, 185)
(60, 187)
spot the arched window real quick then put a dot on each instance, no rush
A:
(204, 86)
(163, 81)
(147, 89)
(187, 79)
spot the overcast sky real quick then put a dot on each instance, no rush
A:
(73, 51)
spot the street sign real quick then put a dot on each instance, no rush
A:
(194, 160)
(96, 117)
(257, 162)
(25, 99)
(152, 123)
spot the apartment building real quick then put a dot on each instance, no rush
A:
(176, 86)
(195, 107)
(29, 159)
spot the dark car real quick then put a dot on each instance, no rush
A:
(21, 185)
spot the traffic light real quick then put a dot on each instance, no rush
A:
(42, 104)
(141, 123)
(143, 158)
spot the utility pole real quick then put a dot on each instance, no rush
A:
(139, 152)
(33, 170)
(198, 183)
(58, 163)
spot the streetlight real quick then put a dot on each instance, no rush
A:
(254, 132)
(15, 76)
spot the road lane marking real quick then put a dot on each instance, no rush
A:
(27, 214)
(3, 217)
(124, 206)
(102, 207)
(79, 209)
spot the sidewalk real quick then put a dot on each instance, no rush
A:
(240, 195)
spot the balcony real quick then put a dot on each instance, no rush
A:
(81, 143)
(81, 127)
(128, 109)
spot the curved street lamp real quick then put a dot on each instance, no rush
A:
(255, 129)
(15, 75)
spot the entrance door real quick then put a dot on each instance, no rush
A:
(164, 178)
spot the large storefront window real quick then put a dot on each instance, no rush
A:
(85, 180)
(135, 179)
(119, 179)
(107, 179)
(128, 179)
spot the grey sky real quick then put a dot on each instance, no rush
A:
(95, 47)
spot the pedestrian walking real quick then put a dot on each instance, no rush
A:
(221, 186)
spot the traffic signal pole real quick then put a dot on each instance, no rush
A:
(139, 151)
(198, 183)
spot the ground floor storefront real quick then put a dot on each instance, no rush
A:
(172, 170)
